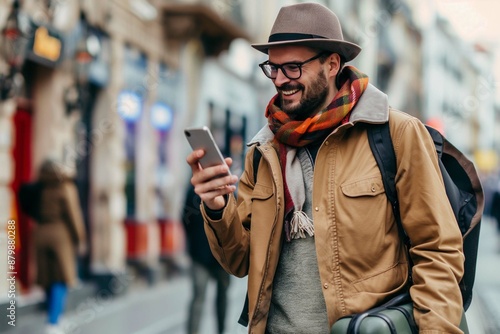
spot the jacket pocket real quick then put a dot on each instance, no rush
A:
(388, 280)
(371, 186)
(362, 218)
(263, 208)
(262, 192)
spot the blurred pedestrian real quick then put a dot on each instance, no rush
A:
(59, 237)
(315, 232)
(495, 210)
(204, 268)
(491, 183)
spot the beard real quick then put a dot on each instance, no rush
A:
(311, 100)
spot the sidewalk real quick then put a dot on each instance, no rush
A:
(161, 309)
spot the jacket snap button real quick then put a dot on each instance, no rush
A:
(373, 188)
(316, 209)
(325, 285)
(327, 143)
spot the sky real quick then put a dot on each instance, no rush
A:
(476, 21)
(473, 19)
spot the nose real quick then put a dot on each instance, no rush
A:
(281, 78)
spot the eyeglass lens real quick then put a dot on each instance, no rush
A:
(290, 70)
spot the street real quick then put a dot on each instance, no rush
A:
(162, 309)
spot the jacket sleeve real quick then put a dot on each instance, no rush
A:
(73, 213)
(229, 237)
(436, 241)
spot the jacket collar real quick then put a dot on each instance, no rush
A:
(372, 107)
(264, 135)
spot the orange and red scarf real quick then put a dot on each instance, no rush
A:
(291, 134)
(352, 84)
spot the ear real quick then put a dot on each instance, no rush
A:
(333, 62)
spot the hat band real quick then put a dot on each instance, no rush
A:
(280, 37)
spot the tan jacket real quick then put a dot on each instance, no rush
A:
(59, 230)
(361, 259)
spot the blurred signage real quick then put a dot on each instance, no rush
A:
(161, 116)
(486, 160)
(129, 105)
(46, 47)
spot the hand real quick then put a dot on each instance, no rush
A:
(212, 183)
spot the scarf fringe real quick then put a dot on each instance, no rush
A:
(300, 225)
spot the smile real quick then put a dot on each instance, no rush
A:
(289, 92)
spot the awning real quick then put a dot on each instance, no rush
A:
(185, 21)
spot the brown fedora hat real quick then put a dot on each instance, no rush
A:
(309, 24)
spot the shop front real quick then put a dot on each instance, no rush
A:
(44, 55)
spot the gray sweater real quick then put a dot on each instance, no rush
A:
(297, 302)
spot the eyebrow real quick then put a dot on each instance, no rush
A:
(286, 62)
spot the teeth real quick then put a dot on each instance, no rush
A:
(290, 92)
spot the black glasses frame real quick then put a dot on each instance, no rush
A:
(269, 68)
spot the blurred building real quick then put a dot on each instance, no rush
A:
(466, 116)
(106, 88)
(412, 53)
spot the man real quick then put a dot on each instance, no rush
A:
(315, 233)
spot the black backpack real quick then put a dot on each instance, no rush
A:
(29, 198)
(463, 189)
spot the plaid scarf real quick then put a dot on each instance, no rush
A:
(352, 84)
(292, 134)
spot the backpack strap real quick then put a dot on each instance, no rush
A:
(379, 137)
(256, 160)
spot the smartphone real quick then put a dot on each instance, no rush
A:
(201, 138)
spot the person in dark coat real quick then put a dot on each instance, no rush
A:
(495, 210)
(59, 236)
(203, 267)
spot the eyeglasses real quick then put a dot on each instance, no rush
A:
(291, 70)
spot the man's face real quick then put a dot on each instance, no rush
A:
(303, 97)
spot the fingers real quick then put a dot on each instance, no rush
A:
(202, 175)
(219, 185)
(193, 159)
(211, 183)
(212, 191)
(214, 198)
